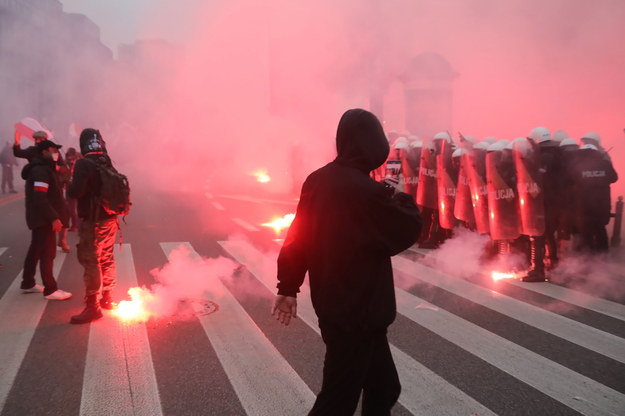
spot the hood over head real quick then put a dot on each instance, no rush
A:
(91, 141)
(360, 140)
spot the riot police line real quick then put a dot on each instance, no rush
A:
(541, 195)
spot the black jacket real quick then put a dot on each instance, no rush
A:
(29, 153)
(85, 187)
(592, 174)
(346, 229)
(44, 198)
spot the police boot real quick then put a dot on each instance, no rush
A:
(537, 268)
(106, 302)
(90, 313)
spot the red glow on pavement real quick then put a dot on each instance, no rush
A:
(280, 223)
(134, 310)
(500, 275)
(261, 176)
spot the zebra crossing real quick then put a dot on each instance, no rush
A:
(119, 375)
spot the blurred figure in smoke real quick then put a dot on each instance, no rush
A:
(592, 175)
(30, 151)
(70, 159)
(8, 161)
(346, 229)
(97, 228)
(46, 213)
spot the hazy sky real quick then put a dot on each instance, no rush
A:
(124, 21)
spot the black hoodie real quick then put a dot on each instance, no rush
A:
(346, 229)
(85, 184)
(44, 198)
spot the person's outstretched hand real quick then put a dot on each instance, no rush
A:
(284, 309)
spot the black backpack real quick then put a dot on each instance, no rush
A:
(114, 195)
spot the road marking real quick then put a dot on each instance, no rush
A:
(576, 332)
(11, 198)
(20, 314)
(119, 374)
(2, 250)
(422, 390)
(568, 387)
(259, 200)
(264, 381)
(244, 224)
(574, 297)
(218, 206)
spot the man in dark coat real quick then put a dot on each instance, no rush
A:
(8, 161)
(346, 229)
(592, 175)
(46, 213)
(97, 228)
(30, 152)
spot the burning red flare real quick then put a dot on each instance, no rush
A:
(135, 310)
(280, 223)
(261, 176)
(500, 275)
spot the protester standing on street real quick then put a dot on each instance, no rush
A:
(46, 213)
(8, 162)
(345, 231)
(97, 229)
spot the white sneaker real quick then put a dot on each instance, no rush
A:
(58, 295)
(35, 289)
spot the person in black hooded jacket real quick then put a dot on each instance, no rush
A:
(97, 230)
(346, 229)
(46, 213)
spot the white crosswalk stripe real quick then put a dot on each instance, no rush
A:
(423, 392)
(119, 373)
(578, 333)
(263, 380)
(17, 331)
(575, 297)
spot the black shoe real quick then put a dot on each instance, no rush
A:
(106, 302)
(90, 313)
(534, 276)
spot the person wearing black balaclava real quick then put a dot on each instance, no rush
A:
(346, 228)
(97, 229)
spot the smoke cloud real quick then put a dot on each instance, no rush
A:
(184, 278)
(248, 85)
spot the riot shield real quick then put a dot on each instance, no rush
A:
(410, 168)
(463, 208)
(446, 185)
(502, 197)
(427, 189)
(476, 173)
(529, 187)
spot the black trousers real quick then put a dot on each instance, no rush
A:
(355, 364)
(594, 237)
(42, 250)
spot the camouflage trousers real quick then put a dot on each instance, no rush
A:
(95, 254)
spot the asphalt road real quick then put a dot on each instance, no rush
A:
(462, 346)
